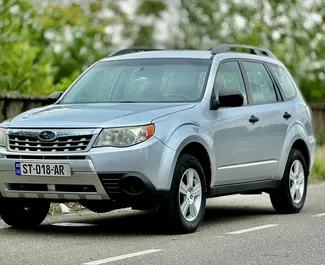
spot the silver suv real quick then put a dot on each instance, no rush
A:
(163, 130)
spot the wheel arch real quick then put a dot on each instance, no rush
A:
(192, 139)
(197, 150)
(301, 145)
(296, 138)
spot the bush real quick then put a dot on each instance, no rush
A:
(321, 136)
(318, 171)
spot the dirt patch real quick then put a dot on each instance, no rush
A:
(73, 207)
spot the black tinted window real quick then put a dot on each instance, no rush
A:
(284, 81)
(260, 82)
(229, 77)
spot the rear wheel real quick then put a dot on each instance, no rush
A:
(20, 213)
(291, 194)
(185, 206)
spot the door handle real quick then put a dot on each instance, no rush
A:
(253, 119)
(287, 115)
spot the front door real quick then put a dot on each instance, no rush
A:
(236, 134)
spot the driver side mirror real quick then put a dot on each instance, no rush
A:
(229, 98)
(54, 97)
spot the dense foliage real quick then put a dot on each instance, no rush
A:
(44, 45)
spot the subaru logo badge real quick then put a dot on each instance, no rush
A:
(46, 135)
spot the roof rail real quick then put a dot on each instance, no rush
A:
(223, 48)
(132, 50)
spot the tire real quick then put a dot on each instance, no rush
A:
(184, 195)
(295, 179)
(25, 214)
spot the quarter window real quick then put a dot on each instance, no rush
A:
(229, 77)
(284, 81)
(260, 82)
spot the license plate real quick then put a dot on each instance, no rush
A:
(42, 169)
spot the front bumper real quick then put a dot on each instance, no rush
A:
(98, 174)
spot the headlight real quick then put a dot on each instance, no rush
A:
(124, 136)
(2, 137)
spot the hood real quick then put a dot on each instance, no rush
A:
(94, 115)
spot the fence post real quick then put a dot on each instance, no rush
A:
(318, 112)
(12, 104)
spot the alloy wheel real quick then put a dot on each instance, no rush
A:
(190, 194)
(297, 181)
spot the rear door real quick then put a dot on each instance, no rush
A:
(274, 115)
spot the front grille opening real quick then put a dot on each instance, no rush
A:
(28, 157)
(27, 187)
(58, 187)
(75, 188)
(72, 143)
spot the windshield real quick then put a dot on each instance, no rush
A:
(141, 80)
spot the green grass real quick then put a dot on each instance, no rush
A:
(318, 171)
(321, 136)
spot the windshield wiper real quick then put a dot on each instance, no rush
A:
(126, 101)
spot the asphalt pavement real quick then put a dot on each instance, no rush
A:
(236, 230)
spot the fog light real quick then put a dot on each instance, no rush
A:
(133, 186)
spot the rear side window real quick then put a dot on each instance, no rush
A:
(260, 82)
(286, 85)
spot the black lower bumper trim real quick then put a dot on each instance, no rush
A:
(145, 195)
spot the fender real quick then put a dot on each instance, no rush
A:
(295, 132)
(183, 135)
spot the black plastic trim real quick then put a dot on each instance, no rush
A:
(230, 189)
(113, 185)
(224, 48)
(132, 50)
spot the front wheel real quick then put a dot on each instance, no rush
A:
(20, 213)
(290, 196)
(185, 206)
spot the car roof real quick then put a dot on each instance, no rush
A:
(162, 54)
(194, 54)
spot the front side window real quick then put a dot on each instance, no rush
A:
(229, 77)
(141, 80)
(260, 82)
(284, 81)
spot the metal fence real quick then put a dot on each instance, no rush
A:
(13, 104)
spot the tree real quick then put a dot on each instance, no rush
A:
(24, 67)
(45, 44)
(281, 26)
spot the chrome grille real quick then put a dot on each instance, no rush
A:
(65, 141)
(71, 143)
(47, 157)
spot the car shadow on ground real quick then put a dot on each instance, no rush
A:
(218, 214)
(136, 223)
